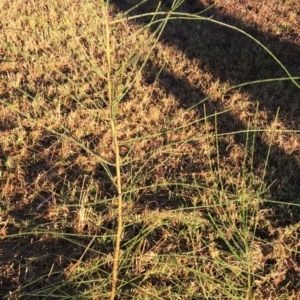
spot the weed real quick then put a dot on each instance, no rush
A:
(149, 150)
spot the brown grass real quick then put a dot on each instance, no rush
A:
(204, 172)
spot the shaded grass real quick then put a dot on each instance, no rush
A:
(192, 175)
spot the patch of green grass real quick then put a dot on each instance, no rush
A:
(130, 170)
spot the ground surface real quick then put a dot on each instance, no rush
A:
(210, 168)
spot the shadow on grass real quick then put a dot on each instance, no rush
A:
(232, 57)
(33, 264)
(44, 264)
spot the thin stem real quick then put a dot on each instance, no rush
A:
(117, 153)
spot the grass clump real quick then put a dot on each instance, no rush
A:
(139, 163)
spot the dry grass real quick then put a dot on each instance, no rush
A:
(106, 116)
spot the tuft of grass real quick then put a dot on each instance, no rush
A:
(139, 163)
